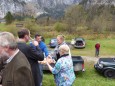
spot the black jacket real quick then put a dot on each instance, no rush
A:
(33, 57)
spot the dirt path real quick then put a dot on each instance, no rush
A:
(94, 59)
(90, 59)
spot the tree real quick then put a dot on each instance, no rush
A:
(75, 16)
(9, 18)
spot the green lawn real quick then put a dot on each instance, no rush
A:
(2, 27)
(90, 77)
(107, 48)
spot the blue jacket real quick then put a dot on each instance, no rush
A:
(42, 46)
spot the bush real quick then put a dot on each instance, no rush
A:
(11, 28)
(60, 27)
(32, 26)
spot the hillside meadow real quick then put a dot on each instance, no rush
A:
(90, 77)
(107, 48)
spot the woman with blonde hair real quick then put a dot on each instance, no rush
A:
(63, 70)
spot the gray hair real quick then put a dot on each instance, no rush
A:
(7, 40)
(64, 48)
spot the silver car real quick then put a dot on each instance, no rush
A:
(53, 43)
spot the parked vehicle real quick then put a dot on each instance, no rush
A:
(106, 66)
(53, 43)
(78, 42)
(78, 64)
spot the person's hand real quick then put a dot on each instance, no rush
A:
(49, 56)
(42, 62)
(35, 43)
(49, 60)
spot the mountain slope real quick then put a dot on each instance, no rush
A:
(34, 8)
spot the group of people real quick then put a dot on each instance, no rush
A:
(21, 60)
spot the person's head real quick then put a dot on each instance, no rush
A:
(38, 38)
(60, 39)
(7, 44)
(24, 34)
(63, 49)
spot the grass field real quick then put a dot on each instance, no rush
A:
(107, 48)
(90, 77)
(2, 27)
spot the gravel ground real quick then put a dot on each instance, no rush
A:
(94, 59)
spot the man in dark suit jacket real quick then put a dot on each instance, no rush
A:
(33, 55)
(17, 71)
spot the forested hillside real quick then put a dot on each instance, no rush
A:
(89, 17)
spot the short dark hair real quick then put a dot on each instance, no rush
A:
(23, 32)
(37, 35)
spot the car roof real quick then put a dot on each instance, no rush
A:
(53, 38)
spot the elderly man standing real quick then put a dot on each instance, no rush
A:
(17, 71)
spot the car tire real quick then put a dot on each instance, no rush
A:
(109, 73)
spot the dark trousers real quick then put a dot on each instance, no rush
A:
(41, 73)
(97, 52)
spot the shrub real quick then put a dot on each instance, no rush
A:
(32, 26)
(60, 27)
(11, 28)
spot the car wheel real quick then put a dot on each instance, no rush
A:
(109, 73)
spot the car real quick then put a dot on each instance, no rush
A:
(106, 66)
(78, 42)
(53, 43)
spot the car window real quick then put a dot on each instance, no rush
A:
(53, 40)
